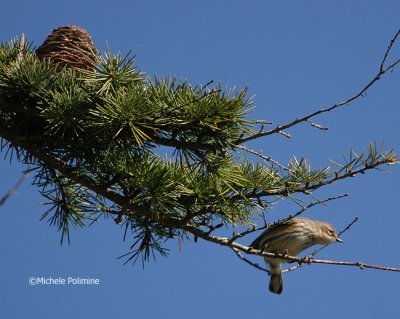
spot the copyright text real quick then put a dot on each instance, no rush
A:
(61, 281)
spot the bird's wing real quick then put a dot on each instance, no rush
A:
(276, 228)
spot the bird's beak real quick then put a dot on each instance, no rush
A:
(339, 240)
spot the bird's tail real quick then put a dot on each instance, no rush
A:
(275, 282)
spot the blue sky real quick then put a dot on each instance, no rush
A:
(296, 57)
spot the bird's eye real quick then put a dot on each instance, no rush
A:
(330, 231)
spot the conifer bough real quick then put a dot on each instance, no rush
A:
(95, 130)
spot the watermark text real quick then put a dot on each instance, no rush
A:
(61, 281)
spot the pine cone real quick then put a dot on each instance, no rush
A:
(69, 46)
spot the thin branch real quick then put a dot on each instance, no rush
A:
(336, 177)
(13, 190)
(213, 91)
(262, 122)
(255, 265)
(348, 226)
(285, 134)
(389, 48)
(377, 77)
(359, 264)
(259, 154)
(249, 231)
(340, 233)
(318, 202)
(302, 260)
(318, 126)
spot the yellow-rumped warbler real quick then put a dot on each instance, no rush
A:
(291, 238)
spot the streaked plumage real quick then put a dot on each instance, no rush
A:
(291, 238)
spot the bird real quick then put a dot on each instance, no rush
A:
(291, 237)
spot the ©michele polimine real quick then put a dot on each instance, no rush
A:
(33, 281)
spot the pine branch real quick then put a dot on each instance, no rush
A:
(66, 170)
(97, 133)
(347, 171)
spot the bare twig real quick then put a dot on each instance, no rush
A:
(348, 226)
(302, 260)
(13, 190)
(318, 202)
(255, 265)
(259, 154)
(262, 122)
(318, 126)
(377, 77)
(285, 134)
(389, 48)
(359, 264)
(249, 231)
